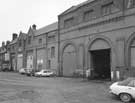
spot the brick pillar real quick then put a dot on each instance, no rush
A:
(35, 59)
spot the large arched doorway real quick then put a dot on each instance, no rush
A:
(100, 59)
(130, 55)
(69, 60)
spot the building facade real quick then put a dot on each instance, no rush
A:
(41, 48)
(13, 52)
(5, 57)
(21, 52)
(98, 36)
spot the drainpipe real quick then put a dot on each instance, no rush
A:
(123, 8)
(59, 64)
(47, 51)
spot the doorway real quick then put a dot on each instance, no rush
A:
(101, 64)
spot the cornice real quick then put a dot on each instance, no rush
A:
(100, 21)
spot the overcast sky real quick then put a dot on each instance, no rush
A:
(19, 15)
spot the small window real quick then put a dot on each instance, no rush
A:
(88, 15)
(52, 52)
(29, 40)
(130, 3)
(40, 40)
(51, 38)
(31, 57)
(12, 47)
(109, 8)
(68, 22)
(49, 64)
(20, 43)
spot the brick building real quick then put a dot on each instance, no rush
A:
(98, 35)
(13, 52)
(20, 51)
(95, 36)
(41, 48)
(5, 57)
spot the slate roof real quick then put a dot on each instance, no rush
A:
(47, 29)
(13, 42)
(76, 7)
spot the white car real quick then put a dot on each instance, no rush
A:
(124, 89)
(22, 71)
(44, 73)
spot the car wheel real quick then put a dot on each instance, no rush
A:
(125, 97)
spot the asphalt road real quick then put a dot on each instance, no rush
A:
(16, 88)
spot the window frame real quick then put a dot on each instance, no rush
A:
(52, 51)
(88, 15)
(69, 22)
(40, 40)
(106, 9)
(29, 40)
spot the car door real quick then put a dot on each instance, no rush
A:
(44, 73)
(131, 88)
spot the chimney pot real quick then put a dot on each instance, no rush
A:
(34, 26)
(14, 36)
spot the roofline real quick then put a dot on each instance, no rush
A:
(45, 33)
(76, 7)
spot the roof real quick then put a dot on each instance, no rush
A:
(22, 35)
(47, 29)
(14, 41)
(76, 7)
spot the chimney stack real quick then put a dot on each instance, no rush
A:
(34, 27)
(3, 44)
(7, 42)
(14, 36)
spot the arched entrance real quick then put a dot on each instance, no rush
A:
(99, 51)
(69, 60)
(130, 55)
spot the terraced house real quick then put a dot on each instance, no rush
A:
(41, 48)
(98, 35)
(13, 52)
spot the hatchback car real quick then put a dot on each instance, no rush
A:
(124, 89)
(44, 73)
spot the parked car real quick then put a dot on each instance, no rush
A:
(44, 73)
(124, 89)
(22, 71)
(30, 72)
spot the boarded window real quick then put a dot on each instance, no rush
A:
(68, 22)
(88, 15)
(40, 40)
(109, 8)
(51, 38)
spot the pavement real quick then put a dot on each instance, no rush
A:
(16, 88)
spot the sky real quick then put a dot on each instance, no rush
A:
(19, 15)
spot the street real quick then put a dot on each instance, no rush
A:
(16, 88)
